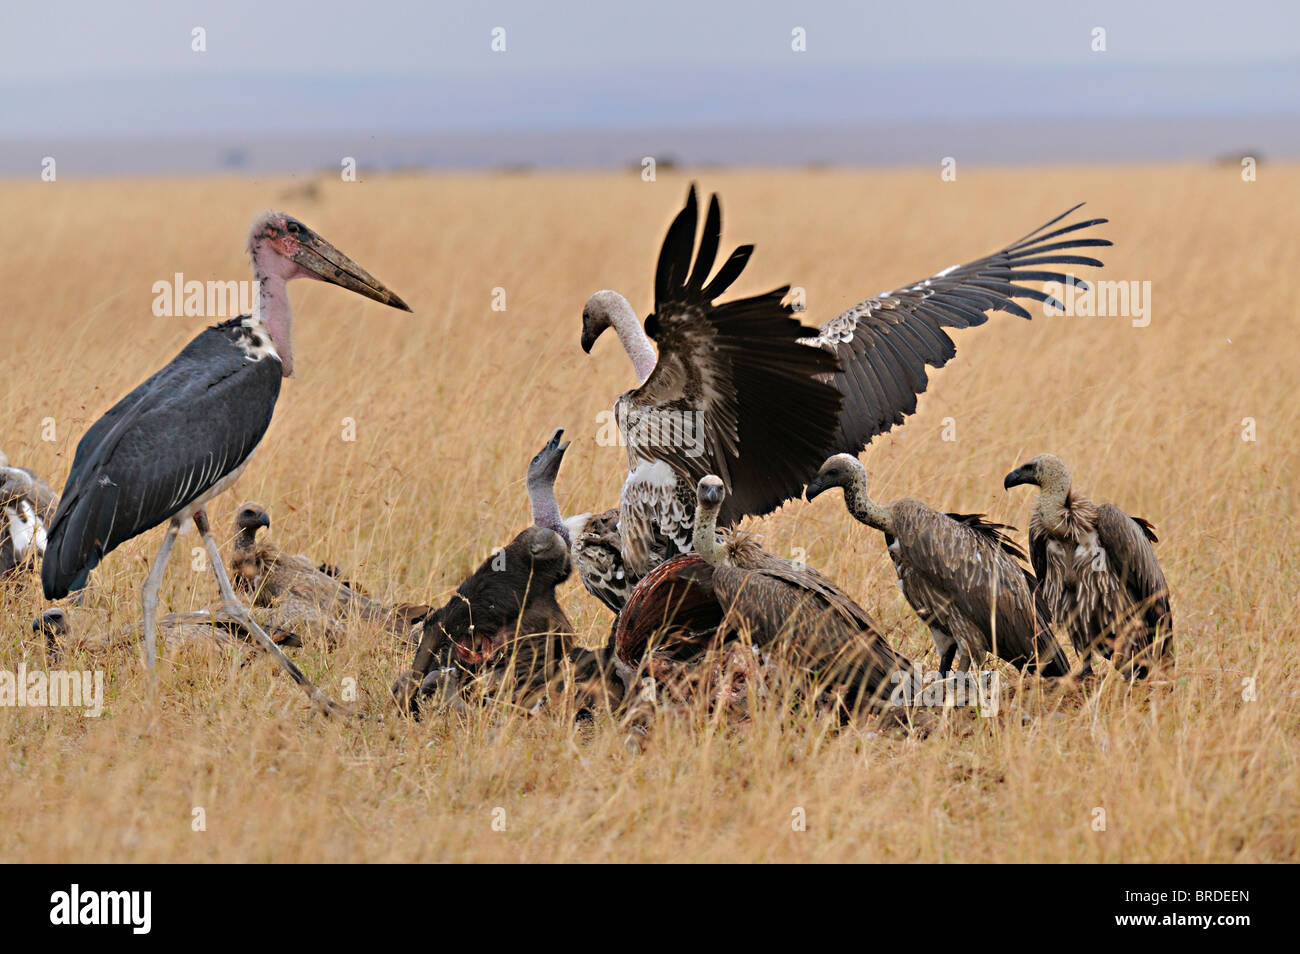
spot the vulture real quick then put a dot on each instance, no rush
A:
(305, 596)
(504, 635)
(701, 600)
(27, 505)
(959, 572)
(593, 539)
(1098, 576)
(743, 391)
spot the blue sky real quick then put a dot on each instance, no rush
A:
(97, 71)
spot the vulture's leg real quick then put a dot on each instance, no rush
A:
(945, 661)
(236, 609)
(152, 582)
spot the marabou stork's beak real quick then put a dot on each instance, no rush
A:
(324, 261)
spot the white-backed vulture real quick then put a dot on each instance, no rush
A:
(733, 392)
(1098, 576)
(593, 539)
(960, 573)
(27, 505)
(701, 600)
(728, 395)
(305, 596)
(504, 636)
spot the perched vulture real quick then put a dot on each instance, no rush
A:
(27, 505)
(959, 572)
(593, 539)
(305, 597)
(728, 395)
(701, 600)
(504, 636)
(1098, 576)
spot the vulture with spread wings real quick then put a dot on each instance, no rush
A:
(744, 391)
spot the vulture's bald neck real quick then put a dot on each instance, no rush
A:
(863, 507)
(633, 337)
(1053, 495)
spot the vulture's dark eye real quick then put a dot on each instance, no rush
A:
(295, 228)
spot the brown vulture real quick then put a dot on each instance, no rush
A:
(742, 390)
(721, 591)
(305, 596)
(960, 573)
(1098, 576)
(27, 505)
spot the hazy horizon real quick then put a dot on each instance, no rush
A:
(297, 86)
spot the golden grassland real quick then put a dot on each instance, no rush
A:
(450, 403)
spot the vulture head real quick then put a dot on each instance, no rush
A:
(52, 623)
(842, 470)
(709, 495)
(603, 310)
(545, 466)
(249, 518)
(1045, 471)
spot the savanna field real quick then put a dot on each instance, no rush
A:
(447, 405)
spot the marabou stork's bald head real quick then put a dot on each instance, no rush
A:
(282, 247)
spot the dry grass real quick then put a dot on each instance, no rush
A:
(451, 402)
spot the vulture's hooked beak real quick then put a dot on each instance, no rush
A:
(710, 493)
(816, 487)
(317, 256)
(1021, 475)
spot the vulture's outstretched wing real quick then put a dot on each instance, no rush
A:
(886, 343)
(735, 392)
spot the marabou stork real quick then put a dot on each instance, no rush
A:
(183, 436)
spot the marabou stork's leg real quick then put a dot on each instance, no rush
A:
(237, 609)
(150, 596)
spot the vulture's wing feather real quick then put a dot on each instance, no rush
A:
(966, 564)
(1127, 542)
(885, 344)
(735, 392)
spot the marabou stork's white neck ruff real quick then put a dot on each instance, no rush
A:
(186, 433)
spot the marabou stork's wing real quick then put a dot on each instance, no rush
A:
(734, 392)
(160, 448)
(885, 344)
(1128, 545)
(966, 564)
